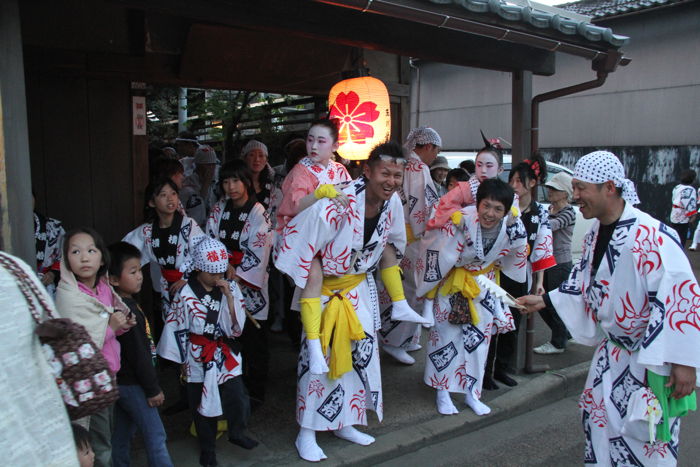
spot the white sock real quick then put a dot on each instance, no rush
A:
(413, 347)
(476, 405)
(428, 314)
(402, 311)
(350, 433)
(307, 447)
(399, 354)
(444, 403)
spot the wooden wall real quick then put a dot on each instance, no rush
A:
(80, 150)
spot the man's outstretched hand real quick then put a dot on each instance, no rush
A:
(532, 303)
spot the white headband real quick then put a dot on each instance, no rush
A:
(601, 166)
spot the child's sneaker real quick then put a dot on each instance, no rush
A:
(547, 349)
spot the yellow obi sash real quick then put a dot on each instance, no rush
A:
(462, 280)
(339, 322)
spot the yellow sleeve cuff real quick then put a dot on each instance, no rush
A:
(311, 316)
(391, 277)
(325, 191)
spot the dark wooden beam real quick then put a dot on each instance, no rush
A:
(352, 28)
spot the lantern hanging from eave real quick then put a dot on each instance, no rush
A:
(361, 106)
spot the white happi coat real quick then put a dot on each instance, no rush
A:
(541, 255)
(51, 238)
(418, 196)
(187, 314)
(456, 354)
(255, 241)
(641, 311)
(190, 235)
(685, 204)
(338, 236)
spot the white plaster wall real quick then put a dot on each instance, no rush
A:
(653, 101)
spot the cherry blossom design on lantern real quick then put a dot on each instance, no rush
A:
(358, 403)
(316, 386)
(354, 118)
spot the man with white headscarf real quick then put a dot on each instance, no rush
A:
(418, 196)
(197, 194)
(633, 295)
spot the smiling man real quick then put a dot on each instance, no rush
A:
(418, 195)
(351, 243)
(633, 295)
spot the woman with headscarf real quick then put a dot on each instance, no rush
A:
(562, 218)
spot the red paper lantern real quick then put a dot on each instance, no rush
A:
(361, 106)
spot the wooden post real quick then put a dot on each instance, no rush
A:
(522, 102)
(16, 220)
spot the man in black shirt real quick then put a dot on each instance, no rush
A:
(633, 295)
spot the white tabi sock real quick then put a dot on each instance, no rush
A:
(399, 354)
(445, 406)
(352, 434)
(476, 405)
(428, 314)
(307, 447)
(402, 311)
(413, 347)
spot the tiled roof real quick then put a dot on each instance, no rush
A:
(546, 21)
(606, 8)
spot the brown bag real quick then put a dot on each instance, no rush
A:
(82, 373)
(459, 312)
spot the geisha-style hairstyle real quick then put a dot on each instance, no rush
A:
(331, 124)
(492, 146)
(534, 168)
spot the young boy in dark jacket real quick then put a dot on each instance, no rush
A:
(140, 394)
